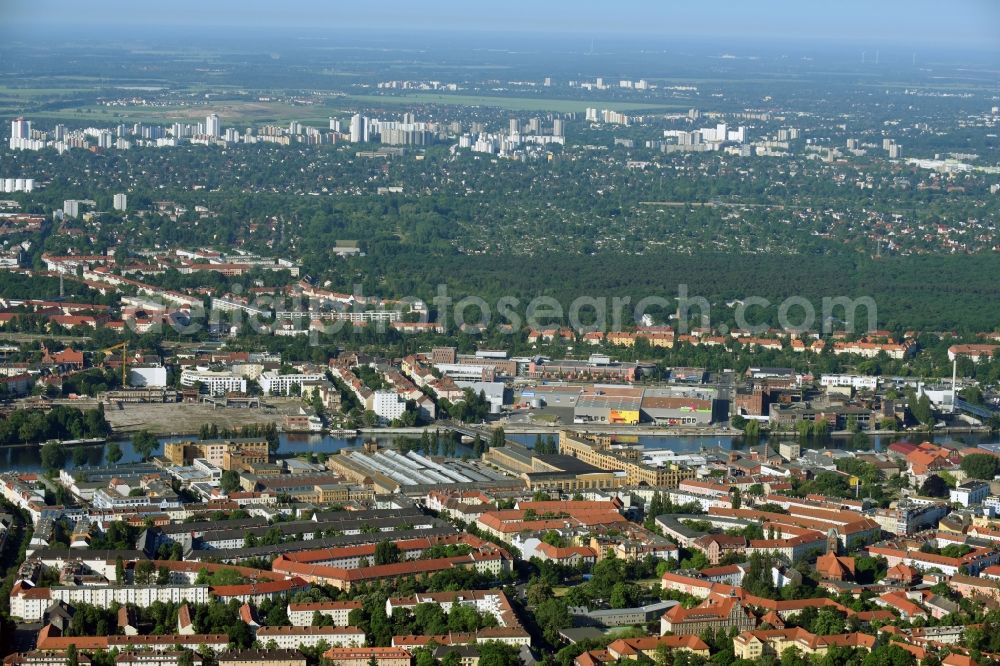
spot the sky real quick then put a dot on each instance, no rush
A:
(959, 23)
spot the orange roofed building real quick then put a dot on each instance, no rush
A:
(755, 644)
(833, 567)
(635, 648)
(363, 656)
(714, 613)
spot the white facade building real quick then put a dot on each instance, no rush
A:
(970, 492)
(20, 128)
(31, 607)
(301, 614)
(216, 382)
(274, 384)
(290, 638)
(147, 375)
(17, 184)
(109, 499)
(388, 405)
(857, 382)
(359, 128)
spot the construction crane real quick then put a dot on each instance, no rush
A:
(124, 347)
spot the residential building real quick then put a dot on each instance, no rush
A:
(30, 604)
(906, 518)
(290, 638)
(716, 546)
(221, 453)
(166, 658)
(388, 405)
(645, 648)
(215, 382)
(753, 645)
(364, 656)
(969, 492)
(272, 383)
(262, 658)
(301, 614)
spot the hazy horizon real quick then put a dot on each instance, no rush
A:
(906, 24)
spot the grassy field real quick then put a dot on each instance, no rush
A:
(509, 103)
(232, 114)
(243, 113)
(13, 91)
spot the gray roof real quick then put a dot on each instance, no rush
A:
(212, 525)
(608, 402)
(87, 554)
(577, 634)
(310, 527)
(567, 463)
(331, 516)
(235, 554)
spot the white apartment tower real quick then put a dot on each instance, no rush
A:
(20, 129)
(212, 126)
(359, 128)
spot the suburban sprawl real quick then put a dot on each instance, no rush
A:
(424, 353)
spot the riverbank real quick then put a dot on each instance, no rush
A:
(27, 458)
(655, 431)
(910, 434)
(536, 429)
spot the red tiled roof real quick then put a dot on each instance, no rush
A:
(261, 587)
(342, 653)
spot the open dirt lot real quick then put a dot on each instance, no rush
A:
(187, 418)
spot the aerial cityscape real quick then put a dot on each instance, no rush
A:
(500, 334)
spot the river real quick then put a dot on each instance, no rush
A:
(27, 458)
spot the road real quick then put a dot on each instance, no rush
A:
(32, 337)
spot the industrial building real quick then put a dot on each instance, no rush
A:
(688, 375)
(390, 472)
(669, 406)
(603, 454)
(597, 367)
(555, 395)
(563, 473)
(612, 409)
(494, 393)
(675, 411)
(586, 462)
(836, 414)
